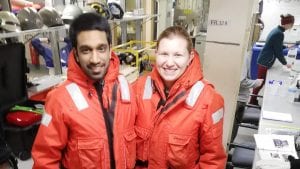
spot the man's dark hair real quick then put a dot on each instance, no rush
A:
(88, 22)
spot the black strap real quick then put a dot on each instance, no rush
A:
(108, 119)
(180, 95)
(111, 111)
(161, 102)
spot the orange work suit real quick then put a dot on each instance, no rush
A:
(183, 130)
(73, 132)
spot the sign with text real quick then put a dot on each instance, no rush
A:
(218, 22)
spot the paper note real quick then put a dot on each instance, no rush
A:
(271, 115)
(276, 147)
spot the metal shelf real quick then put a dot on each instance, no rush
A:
(137, 19)
(129, 18)
(53, 33)
(33, 31)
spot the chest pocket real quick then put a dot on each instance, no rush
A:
(180, 151)
(90, 152)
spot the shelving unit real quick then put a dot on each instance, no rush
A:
(54, 35)
(138, 29)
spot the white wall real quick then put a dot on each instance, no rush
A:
(227, 38)
(272, 10)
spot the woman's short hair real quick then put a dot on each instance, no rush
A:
(179, 31)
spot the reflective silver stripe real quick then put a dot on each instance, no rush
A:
(148, 89)
(194, 93)
(125, 94)
(217, 116)
(46, 119)
(77, 96)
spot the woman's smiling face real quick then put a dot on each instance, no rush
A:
(172, 58)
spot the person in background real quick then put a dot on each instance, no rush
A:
(89, 119)
(180, 114)
(246, 83)
(272, 50)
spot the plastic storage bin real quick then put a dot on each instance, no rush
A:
(256, 49)
(253, 67)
